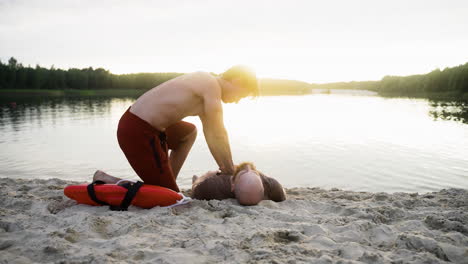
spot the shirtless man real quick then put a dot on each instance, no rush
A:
(247, 185)
(153, 124)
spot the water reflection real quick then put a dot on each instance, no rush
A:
(17, 111)
(454, 111)
(366, 143)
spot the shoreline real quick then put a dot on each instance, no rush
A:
(39, 224)
(29, 93)
(58, 93)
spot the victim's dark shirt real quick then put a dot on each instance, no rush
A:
(218, 187)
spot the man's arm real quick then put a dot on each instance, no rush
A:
(214, 130)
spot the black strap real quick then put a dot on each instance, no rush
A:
(127, 200)
(92, 192)
(163, 139)
(156, 155)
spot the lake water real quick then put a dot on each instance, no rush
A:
(355, 142)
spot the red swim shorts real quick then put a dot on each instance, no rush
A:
(146, 148)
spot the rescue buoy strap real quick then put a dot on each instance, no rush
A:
(92, 193)
(132, 189)
(127, 200)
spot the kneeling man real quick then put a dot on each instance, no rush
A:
(153, 124)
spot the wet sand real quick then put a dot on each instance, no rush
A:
(38, 224)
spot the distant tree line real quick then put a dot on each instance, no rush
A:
(14, 75)
(364, 85)
(452, 80)
(283, 87)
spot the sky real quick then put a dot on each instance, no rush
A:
(307, 40)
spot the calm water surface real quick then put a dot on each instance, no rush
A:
(353, 142)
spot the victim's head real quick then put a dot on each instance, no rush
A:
(247, 184)
(239, 82)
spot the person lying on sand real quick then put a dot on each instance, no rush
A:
(248, 185)
(153, 124)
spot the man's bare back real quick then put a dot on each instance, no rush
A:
(176, 99)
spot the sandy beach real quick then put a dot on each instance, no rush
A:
(38, 224)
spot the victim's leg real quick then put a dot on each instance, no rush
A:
(180, 152)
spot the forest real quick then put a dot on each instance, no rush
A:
(14, 75)
(450, 80)
(448, 83)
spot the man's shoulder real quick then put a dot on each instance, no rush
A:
(204, 83)
(202, 75)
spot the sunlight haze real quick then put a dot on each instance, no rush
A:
(313, 41)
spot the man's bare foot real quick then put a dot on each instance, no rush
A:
(99, 175)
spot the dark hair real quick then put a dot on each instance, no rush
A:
(246, 75)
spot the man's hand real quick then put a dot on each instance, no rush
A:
(229, 171)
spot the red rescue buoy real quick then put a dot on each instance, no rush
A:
(148, 196)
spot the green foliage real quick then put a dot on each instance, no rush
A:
(14, 76)
(451, 81)
(448, 83)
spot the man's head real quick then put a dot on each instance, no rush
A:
(240, 82)
(247, 184)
